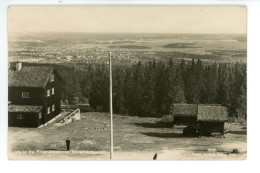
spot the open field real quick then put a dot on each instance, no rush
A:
(134, 138)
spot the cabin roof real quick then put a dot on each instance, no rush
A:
(212, 113)
(24, 108)
(29, 76)
(185, 110)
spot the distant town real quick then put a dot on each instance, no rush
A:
(46, 49)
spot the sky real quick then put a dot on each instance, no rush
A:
(128, 19)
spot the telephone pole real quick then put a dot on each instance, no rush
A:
(111, 107)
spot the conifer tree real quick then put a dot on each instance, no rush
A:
(148, 105)
(137, 90)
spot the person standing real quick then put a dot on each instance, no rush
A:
(155, 156)
(68, 144)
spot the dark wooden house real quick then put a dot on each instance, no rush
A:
(211, 119)
(34, 95)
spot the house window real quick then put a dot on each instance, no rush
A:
(40, 115)
(25, 95)
(52, 77)
(48, 93)
(48, 110)
(53, 108)
(52, 91)
(20, 116)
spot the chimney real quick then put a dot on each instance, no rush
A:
(18, 66)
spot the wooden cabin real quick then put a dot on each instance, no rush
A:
(31, 87)
(211, 119)
(207, 119)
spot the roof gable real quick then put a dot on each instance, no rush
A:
(212, 113)
(185, 110)
(29, 76)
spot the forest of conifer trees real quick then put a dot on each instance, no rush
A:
(150, 88)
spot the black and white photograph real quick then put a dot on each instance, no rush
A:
(127, 82)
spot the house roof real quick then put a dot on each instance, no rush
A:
(212, 113)
(24, 108)
(29, 76)
(185, 110)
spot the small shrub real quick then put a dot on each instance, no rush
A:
(166, 121)
(232, 120)
(242, 121)
(237, 120)
(99, 108)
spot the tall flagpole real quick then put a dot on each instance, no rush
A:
(111, 107)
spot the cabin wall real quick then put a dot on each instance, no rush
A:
(185, 120)
(206, 128)
(15, 96)
(53, 99)
(29, 119)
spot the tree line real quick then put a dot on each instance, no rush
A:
(151, 88)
